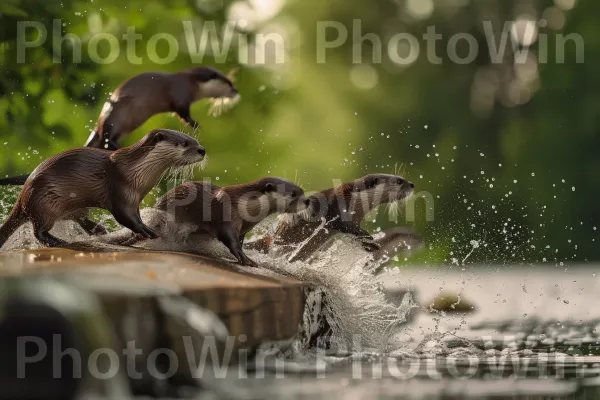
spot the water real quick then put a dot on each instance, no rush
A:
(532, 333)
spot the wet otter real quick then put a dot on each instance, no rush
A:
(66, 185)
(144, 95)
(150, 93)
(228, 213)
(336, 210)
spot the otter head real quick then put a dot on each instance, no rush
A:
(283, 196)
(383, 188)
(370, 191)
(214, 84)
(176, 148)
(266, 196)
(158, 152)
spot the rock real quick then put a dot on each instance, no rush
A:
(450, 303)
(49, 331)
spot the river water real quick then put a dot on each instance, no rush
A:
(533, 334)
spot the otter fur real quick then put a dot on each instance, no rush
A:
(228, 213)
(150, 93)
(335, 210)
(68, 184)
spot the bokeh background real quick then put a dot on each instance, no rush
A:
(507, 151)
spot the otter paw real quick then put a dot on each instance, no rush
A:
(50, 241)
(249, 263)
(149, 233)
(140, 237)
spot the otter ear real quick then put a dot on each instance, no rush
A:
(269, 187)
(159, 137)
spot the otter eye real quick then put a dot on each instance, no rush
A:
(294, 194)
(185, 144)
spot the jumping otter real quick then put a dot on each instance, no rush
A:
(228, 213)
(336, 210)
(66, 185)
(150, 93)
(147, 94)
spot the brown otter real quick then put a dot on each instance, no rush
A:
(150, 93)
(229, 213)
(144, 95)
(336, 210)
(66, 185)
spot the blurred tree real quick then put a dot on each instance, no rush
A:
(491, 142)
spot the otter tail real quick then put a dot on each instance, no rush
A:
(15, 219)
(15, 180)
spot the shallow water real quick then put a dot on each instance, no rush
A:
(532, 331)
(534, 335)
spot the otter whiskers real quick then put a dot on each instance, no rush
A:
(183, 173)
(394, 209)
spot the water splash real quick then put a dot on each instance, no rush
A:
(356, 308)
(475, 245)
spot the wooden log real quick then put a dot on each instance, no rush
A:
(136, 288)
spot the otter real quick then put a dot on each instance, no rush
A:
(66, 185)
(147, 94)
(336, 210)
(228, 213)
(150, 93)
